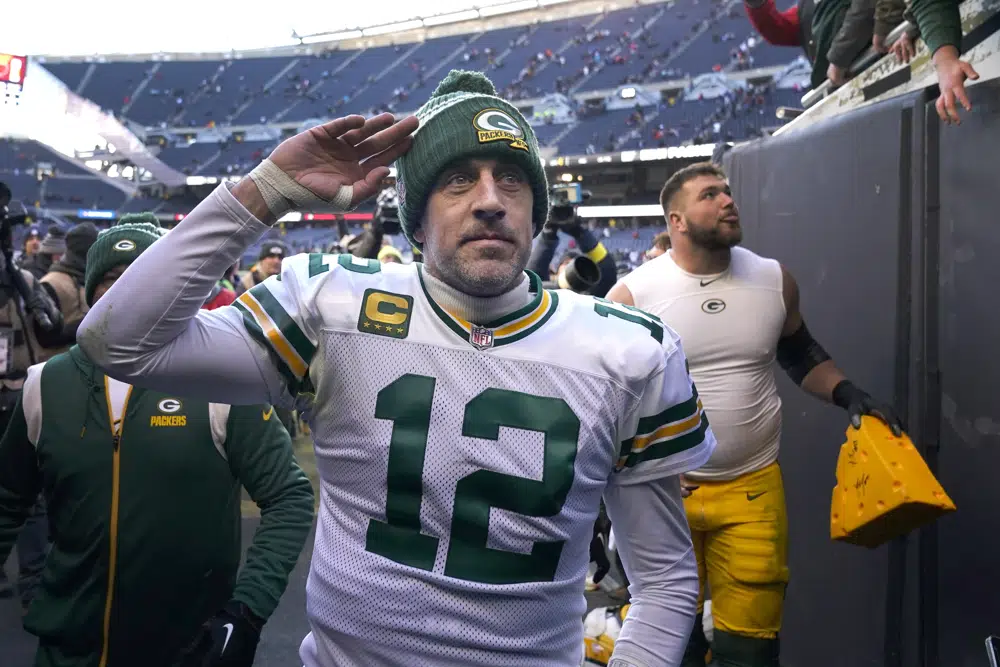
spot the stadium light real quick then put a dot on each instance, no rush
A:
(634, 211)
(454, 17)
(402, 26)
(332, 36)
(510, 8)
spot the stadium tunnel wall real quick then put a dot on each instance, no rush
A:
(887, 218)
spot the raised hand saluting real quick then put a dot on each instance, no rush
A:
(340, 163)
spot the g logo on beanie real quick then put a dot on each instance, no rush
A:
(119, 245)
(497, 125)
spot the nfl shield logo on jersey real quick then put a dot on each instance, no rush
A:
(481, 338)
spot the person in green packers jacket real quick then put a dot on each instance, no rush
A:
(143, 491)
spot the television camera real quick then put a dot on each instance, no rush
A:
(564, 198)
(387, 208)
(581, 273)
(13, 213)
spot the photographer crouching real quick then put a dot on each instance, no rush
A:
(588, 270)
(30, 321)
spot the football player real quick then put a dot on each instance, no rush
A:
(466, 421)
(738, 312)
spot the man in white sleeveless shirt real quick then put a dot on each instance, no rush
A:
(736, 312)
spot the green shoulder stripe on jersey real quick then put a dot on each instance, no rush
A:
(258, 335)
(269, 323)
(509, 328)
(651, 322)
(359, 264)
(678, 428)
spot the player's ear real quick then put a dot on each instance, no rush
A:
(676, 221)
(418, 235)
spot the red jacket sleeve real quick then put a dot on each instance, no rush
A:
(776, 27)
(225, 297)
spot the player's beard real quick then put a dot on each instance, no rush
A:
(719, 236)
(478, 274)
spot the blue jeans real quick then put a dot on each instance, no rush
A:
(32, 549)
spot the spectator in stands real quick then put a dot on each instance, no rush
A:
(816, 25)
(888, 15)
(269, 264)
(64, 283)
(661, 244)
(389, 254)
(231, 280)
(173, 573)
(32, 244)
(52, 247)
(220, 296)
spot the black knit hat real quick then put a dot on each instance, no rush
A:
(273, 249)
(78, 242)
(54, 242)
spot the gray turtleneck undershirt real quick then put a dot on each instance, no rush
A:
(477, 309)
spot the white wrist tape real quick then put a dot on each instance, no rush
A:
(283, 194)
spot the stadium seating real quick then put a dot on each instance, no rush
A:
(36, 174)
(642, 44)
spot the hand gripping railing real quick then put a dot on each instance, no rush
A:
(860, 64)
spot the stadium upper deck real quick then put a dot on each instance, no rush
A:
(660, 46)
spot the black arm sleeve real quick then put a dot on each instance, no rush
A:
(367, 245)
(609, 276)
(799, 353)
(542, 253)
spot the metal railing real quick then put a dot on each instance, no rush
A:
(860, 64)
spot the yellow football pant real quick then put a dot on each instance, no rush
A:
(740, 533)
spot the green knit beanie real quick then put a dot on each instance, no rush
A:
(119, 245)
(464, 118)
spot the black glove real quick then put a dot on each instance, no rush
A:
(571, 226)
(599, 555)
(858, 402)
(228, 639)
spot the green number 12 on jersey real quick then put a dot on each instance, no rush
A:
(408, 403)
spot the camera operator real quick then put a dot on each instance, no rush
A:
(385, 220)
(64, 282)
(29, 322)
(43, 255)
(591, 270)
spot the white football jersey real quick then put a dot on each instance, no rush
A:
(461, 467)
